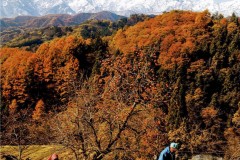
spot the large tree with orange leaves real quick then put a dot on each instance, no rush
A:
(115, 113)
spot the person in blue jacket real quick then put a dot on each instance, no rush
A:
(169, 152)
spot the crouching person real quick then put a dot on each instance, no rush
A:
(169, 152)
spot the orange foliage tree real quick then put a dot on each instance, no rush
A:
(14, 75)
(39, 110)
(115, 114)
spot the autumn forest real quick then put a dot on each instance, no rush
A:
(126, 89)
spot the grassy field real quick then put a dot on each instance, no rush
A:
(38, 152)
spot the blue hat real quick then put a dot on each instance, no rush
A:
(174, 145)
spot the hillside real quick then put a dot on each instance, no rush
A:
(174, 77)
(32, 38)
(55, 20)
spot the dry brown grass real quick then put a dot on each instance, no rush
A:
(38, 152)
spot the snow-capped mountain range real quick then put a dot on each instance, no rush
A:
(13, 8)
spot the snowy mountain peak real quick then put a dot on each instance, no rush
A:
(13, 8)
